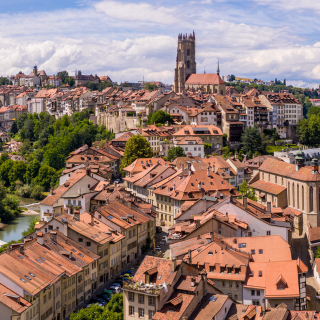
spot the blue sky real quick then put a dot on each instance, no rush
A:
(131, 39)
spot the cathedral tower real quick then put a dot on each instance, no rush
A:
(186, 60)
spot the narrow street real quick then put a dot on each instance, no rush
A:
(299, 249)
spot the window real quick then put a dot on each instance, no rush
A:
(249, 234)
(260, 251)
(141, 298)
(268, 233)
(211, 269)
(253, 293)
(141, 313)
(258, 292)
(280, 286)
(230, 284)
(223, 284)
(151, 301)
(88, 244)
(151, 314)
(80, 240)
(253, 251)
(131, 311)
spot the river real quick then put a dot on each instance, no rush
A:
(13, 230)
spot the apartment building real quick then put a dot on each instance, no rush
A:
(209, 134)
(160, 290)
(192, 146)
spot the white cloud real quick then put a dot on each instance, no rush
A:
(141, 12)
(305, 5)
(127, 41)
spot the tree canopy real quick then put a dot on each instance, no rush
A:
(159, 117)
(308, 130)
(175, 152)
(112, 311)
(248, 191)
(252, 140)
(136, 147)
(150, 87)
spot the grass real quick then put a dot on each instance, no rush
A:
(24, 201)
(271, 149)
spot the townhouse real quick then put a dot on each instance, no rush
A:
(161, 290)
(142, 164)
(209, 134)
(192, 146)
(170, 194)
(135, 226)
(73, 195)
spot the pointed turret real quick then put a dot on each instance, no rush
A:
(218, 70)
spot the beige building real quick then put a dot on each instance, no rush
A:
(286, 184)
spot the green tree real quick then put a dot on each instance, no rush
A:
(17, 172)
(248, 191)
(37, 192)
(44, 177)
(32, 170)
(69, 81)
(63, 75)
(317, 254)
(54, 159)
(251, 140)
(232, 78)
(175, 152)
(275, 136)
(14, 128)
(150, 87)
(159, 117)
(136, 147)
(4, 171)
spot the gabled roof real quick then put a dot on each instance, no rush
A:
(13, 300)
(205, 79)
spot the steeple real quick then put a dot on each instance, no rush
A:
(218, 70)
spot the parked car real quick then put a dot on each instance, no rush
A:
(114, 289)
(116, 284)
(158, 229)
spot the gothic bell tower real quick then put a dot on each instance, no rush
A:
(186, 60)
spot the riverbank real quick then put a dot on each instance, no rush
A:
(30, 212)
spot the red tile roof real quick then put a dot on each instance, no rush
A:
(204, 79)
(268, 187)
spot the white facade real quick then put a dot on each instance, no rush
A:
(191, 147)
(253, 296)
(257, 227)
(36, 106)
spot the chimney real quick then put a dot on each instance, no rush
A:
(51, 191)
(9, 250)
(197, 223)
(245, 202)
(76, 215)
(107, 200)
(203, 274)
(65, 228)
(226, 214)
(204, 204)
(307, 316)
(315, 164)
(268, 207)
(21, 249)
(189, 256)
(199, 185)
(53, 236)
(263, 308)
(189, 172)
(40, 238)
(213, 168)
(174, 187)
(208, 172)
(174, 264)
(189, 165)
(198, 237)
(114, 231)
(92, 219)
(208, 240)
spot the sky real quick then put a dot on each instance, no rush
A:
(131, 40)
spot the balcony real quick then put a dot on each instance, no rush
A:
(47, 214)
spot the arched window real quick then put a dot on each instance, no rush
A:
(188, 64)
(311, 199)
(298, 196)
(188, 52)
(293, 197)
(302, 198)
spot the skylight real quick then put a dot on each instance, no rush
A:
(23, 280)
(31, 274)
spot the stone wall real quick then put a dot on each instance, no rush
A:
(117, 123)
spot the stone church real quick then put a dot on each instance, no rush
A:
(186, 77)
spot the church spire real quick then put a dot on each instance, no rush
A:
(218, 70)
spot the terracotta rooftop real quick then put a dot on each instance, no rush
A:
(268, 187)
